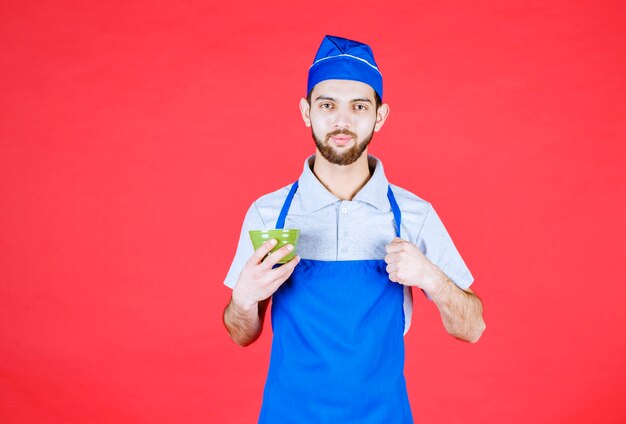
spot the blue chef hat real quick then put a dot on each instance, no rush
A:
(340, 58)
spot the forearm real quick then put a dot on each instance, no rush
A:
(243, 324)
(461, 311)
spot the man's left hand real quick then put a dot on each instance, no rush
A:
(407, 265)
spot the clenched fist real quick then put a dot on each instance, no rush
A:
(407, 265)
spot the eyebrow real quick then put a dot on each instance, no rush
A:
(334, 100)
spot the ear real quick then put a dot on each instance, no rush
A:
(381, 116)
(305, 110)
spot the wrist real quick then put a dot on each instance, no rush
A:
(241, 305)
(439, 286)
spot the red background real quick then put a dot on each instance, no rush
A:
(134, 136)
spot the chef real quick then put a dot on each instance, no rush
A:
(341, 307)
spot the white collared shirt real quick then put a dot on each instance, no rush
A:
(359, 229)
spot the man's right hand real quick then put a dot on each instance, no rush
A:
(259, 279)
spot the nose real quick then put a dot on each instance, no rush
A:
(342, 119)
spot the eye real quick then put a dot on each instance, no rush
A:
(360, 107)
(326, 105)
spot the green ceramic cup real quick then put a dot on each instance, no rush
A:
(283, 237)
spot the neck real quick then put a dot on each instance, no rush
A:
(342, 181)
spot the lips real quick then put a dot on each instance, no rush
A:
(341, 140)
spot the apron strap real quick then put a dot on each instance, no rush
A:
(280, 224)
(397, 216)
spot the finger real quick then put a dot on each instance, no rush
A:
(282, 273)
(393, 277)
(391, 268)
(392, 257)
(260, 253)
(286, 269)
(273, 258)
(396, 245)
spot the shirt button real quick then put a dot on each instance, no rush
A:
(344, 250)
(345, 233)
(344, 210)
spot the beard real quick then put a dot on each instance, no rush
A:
(345, 156)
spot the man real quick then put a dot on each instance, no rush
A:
(339, 314)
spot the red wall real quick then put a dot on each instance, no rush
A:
(134, 136)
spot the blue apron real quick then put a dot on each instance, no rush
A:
(338, 349)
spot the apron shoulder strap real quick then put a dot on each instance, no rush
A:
(280, 224)
(397, 216)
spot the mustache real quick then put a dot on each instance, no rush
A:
(340, 132)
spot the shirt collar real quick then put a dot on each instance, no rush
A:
(374, 191)
(317, 196)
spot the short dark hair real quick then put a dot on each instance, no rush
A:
(377, 99)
